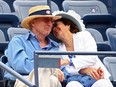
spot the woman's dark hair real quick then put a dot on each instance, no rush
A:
(73, 27)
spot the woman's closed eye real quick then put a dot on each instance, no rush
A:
(55, 24)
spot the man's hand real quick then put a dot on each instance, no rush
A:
(60, 75)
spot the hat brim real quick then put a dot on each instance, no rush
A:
(73, 19)
(26, 22)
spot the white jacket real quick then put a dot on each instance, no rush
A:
(84, 42)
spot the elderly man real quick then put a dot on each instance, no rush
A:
(21, 48)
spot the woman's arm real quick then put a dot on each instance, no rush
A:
(94, 73)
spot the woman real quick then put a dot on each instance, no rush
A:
(67, 30)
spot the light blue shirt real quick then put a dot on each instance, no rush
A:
(20, 52)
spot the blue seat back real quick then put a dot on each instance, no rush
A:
(110, 63)
(111, 35)
(8, 20)
(21, 7)
(4, 7)
(85, 7)
(96, 34)
(2, 37)
(100, 22)
(101, 44)
(13, 31)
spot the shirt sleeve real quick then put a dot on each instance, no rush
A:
(88, 44)
(17, 57)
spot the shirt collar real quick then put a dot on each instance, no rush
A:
(50, 41)
(30, 33)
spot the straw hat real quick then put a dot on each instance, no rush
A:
(37, 12)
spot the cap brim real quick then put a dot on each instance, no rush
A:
(26, 22)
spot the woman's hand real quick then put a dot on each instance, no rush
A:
(100, 72)
(94, 73)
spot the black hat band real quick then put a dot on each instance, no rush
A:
(42, 12)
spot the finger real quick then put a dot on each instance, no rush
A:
(58, 74)
(62, 76)
(100, 72)
(91, 75)
(95, 74)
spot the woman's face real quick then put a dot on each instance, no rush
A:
(60, 29)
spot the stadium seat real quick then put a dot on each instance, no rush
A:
(12, 31)
(100, 22)
(101, 44)
(113, 8)
(2, 47)
(3, 43)
(22, 7)
(103, 47)
(4, 7)
(111, 35)
(110, 63)
(96, 34)
(8, 20)
(3, 59)
(110, 4)
(6, 82)
(85, 7)
(10, 3)
(2, 37)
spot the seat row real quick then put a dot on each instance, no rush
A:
(101, 44)
(110, 4)
(94, 13)
(21, 7)
(82, 7)
(99, 22)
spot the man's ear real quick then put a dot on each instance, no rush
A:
(32, 22)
